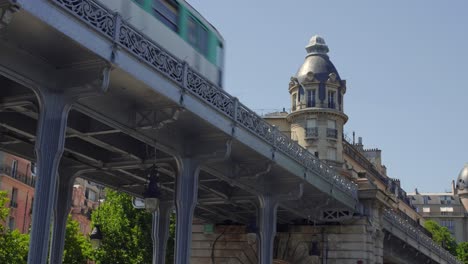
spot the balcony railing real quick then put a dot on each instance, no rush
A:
(332, 133)
(311, 132)
(28, 180)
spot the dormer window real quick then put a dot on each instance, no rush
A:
(331, 99)
(311, 98)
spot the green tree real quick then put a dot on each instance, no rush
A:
(441, 236)
(77, 249)
(13, 245)
(462, 252)
(126, 231)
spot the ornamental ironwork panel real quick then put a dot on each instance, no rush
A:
(210, 93)
(149, 52)
(138, 44)
(312, 132)
(92, 13)
(253, 122)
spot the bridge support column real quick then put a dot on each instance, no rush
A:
(185, 201)
(49, 148)
(161, 222)
(266, 227)
(62, 209)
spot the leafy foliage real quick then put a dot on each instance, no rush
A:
(441, 236)
(77, 248)
(462, 252)
(171, 240)
(13, 245)
(126, 231)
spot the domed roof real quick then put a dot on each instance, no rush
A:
(462, 181)
(317, 62)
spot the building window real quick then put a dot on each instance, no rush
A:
(33, 169)
(311, 127)
(426, 210)
(310, 98)
(294, 102)
(331, 154)
(331, 129)
(449, 224)
(14, 168)
(198, 36)
(426, 199)
(166, 11)
(11, 223)
(91, 195)
(446, 199)
(446, 210)
(14, 198)
(331, 99)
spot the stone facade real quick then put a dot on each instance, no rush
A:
(445, 208)
(316, 123)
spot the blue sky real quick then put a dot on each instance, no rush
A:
(405, 63)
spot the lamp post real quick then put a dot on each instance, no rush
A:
(152, 194)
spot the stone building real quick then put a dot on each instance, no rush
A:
(17, 178)
(449, 209)
(316, 123)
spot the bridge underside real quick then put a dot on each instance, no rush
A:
(121, 124)
(112, 137)
(125, 117)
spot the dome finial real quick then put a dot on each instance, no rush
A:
(317, 45)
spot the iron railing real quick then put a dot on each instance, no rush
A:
(311, 132)
(332, 133)
(411, 231)
(28, 180)
(133, 41)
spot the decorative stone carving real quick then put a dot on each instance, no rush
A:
(332, 77)
(310, 76)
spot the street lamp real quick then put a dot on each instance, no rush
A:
(152, 194)
(96, 236)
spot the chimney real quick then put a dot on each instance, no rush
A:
(416, 191)
(360, 140)
(453, 187)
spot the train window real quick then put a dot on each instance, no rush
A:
(167, 12)
(198, 36)
(219, 55)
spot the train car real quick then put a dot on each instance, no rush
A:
(180, 29)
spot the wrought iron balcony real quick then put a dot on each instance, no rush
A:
(31, 181)
(311, 132)
(332, 133)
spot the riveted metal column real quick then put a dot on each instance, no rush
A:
(161, 223)
(185, 201)
(62, 209)
(49, 149)
(266, 227)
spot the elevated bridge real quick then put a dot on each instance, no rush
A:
(83, 93)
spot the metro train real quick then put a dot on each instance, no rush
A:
(178, 28)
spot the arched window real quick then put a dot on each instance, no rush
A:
(294, 102)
